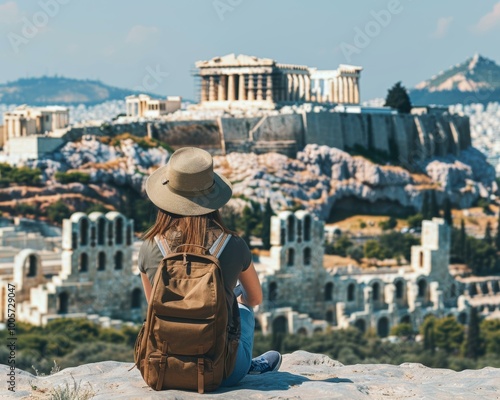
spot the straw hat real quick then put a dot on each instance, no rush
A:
(187, 185)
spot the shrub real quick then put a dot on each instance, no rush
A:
(388, 224)
(58, 211)
(70, 177)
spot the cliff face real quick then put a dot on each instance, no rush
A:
(325, 179)
(302, 376)
(321, 178)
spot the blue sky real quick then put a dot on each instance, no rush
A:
(154, 43)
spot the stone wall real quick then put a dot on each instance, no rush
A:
(408, 138)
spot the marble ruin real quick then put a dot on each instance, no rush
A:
(250, 81)
(28, 121)
(301, 296)
(96, 278)
(143, 106)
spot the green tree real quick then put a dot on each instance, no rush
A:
(428, 332)
(415, 221)
(488, 238)
(402, 330)
(449, 334)
(372, 249)
(447, 212)
(266, 225)
(433, 205)
(58, 211)
(388, 224)
(473, 343)
(426, 206)
(397, 98)
(490, 331)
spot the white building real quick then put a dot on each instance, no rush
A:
(143, 106)
(28, 121)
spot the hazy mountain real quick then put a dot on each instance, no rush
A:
(59, 90)
(476, 80)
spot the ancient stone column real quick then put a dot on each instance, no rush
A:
(289, 94)
(241, 88)
(301, 87)
(204, 91)
(231, 89)
(211, 88)
(345, 84)
(307, 81)
(222, 88)
(269, 88)
(340, 84)
(259, 87)
(251, 93)
(295, 87)
(283, 96)
(356, 91)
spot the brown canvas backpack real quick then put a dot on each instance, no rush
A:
(190, 337)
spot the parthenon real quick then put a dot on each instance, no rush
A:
(249, 80)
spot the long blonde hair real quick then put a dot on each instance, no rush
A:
(191, 229)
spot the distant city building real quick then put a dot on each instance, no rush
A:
(301, 296)
(28, 121)
(249, 81)
(143, 106)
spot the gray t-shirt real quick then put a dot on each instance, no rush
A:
(235, 258)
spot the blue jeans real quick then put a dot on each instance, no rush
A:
(244, 356)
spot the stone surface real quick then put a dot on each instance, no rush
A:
(302, 376)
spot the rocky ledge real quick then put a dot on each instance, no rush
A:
(302, 376)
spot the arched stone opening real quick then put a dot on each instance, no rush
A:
(484, 288)
(453, 291)
(462, 317)
(129, 235)
(93, 236)
(383, 327)
(258, 326)
(290, 224)
(399, 289)
(361, 325)
(329, 291)
(495, 286)
(472, 289)
(302, 331)
(329, 316)
(101, 231)
(376, 291)
(84, 231)
(84, 262)
(422, 288)
(307, 256)
(119, 231)
(32, 266)
(110, 233)
(290, 257)
(280, 325)
(101, 261)
(273, 291)
(63, 303)
(118, 260)
(351, 292)
(136, 298)
(405, 319)
(307, 228)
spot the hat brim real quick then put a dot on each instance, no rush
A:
(164, 198)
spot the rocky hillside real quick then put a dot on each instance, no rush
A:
(302, 375)
(59, 90)
(325, 180)
(476, 80)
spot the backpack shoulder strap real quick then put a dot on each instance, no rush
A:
(220, 244)
(163, 245)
